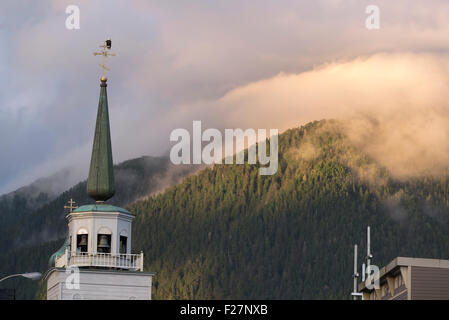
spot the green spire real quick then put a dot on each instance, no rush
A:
(100, 184)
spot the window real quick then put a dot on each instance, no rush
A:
(123, 244)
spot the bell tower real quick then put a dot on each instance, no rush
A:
(97, 253)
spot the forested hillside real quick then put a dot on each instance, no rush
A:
(230, 233)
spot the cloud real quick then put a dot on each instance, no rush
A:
(395, 106)
(198, 61)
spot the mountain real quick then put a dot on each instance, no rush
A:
(29, 198)
(33, 224)
(228, 232)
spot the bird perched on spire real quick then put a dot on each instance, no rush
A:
(107, 45)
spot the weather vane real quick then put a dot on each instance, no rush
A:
(104, 53)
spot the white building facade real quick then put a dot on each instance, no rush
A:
(96, 261)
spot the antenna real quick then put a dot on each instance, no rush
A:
(369, 256)
(355, 292)
(365, 266)
(363, 271)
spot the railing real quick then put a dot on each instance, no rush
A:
(107, 260)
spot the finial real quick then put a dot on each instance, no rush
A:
(71, 205)
(107, 45)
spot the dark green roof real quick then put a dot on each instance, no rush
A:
(60, 252)
(100, 184)
(100, 208)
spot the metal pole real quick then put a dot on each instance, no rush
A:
(355, 272)
(368, 247)
(11, 276)
(363, 271)
(31, 275)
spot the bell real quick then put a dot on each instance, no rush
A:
(83, 241)
(104, 242)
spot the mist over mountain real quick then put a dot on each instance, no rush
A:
(41, 190)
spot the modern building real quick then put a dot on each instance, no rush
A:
(96, 261)
(411, 279)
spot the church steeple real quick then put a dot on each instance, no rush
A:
(101, 184)
(98, 243)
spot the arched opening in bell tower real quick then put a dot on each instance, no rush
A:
(82, 241)
(103, 243)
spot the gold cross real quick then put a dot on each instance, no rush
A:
(71, 206)
(104, 53)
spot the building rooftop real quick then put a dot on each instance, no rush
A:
(398, 262)
(100, 208)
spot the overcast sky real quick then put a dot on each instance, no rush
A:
(178, 61)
